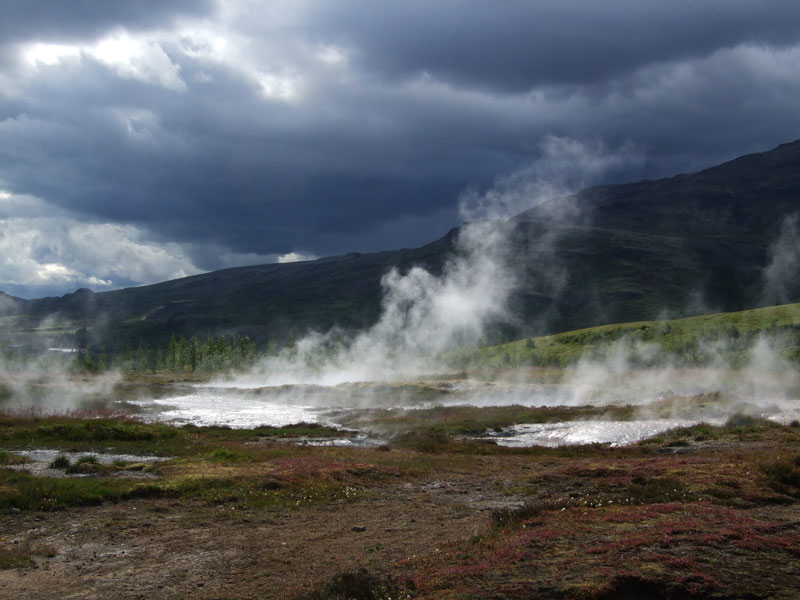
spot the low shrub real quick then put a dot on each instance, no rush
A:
(9, 458)
(508, 516)
(25, 492)
(784, 476)
(360, 585)
(656, 489)
(60, 462)
(227, 455)
(104, 430)
(85, 464)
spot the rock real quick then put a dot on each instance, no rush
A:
(15, 511)
(358, 528)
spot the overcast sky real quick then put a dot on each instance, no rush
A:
(150, 139)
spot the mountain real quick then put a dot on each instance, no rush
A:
(273, 301)
(692, 243)
(687, 244)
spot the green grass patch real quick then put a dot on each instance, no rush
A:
(298, 430)
(225, 455)
(25, 492)
(9, 458)
(135, 437)
(88, 464)
(698, 340)
(784, 476)
(11, 558)
(87, 434)
(739, 426)
(471, 420)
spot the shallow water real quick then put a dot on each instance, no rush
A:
(103, 458)
(41, 459)
(232, 410)
(614, 433)
(250, 406)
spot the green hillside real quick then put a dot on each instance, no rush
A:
(689, 341)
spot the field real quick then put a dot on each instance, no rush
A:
(699, 512)
(409, 491)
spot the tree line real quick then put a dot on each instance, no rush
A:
(180, 355)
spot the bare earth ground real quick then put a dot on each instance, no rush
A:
(175, 549)
(698, 521)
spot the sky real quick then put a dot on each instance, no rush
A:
(143, 141)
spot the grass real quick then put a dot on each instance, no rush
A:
(60, 462)
(79, 434)
(470, 420)
(212, 464)
(738, 426)
(594, 522)
(9, 458)
(128, 435)
(22, 491)
(266, 484)
(689, 341)
(784, 476)
(656, 489)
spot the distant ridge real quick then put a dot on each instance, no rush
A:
(676, 246)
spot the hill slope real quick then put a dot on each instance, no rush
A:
(691, 341)
(615, 253)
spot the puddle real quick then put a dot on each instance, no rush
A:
(614, 433)
(41, 459)
(360, 441)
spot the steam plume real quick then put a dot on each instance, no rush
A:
(423, 313)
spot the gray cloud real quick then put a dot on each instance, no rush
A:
(518, 46)
(59, 21)
(253, 130)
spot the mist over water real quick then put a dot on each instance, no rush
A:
(400, 363)
(47, 386)
(425, 314)
(396, 364)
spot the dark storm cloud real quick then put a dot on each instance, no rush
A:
(244, 131)
(516, 46)
(71, 20)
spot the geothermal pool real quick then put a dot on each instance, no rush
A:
(656, 408)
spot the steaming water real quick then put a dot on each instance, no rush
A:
(242, 407)
(231, 410)
(249, 406)
(615, 433)
(47, 456)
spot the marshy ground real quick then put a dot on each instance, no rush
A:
(697, 512)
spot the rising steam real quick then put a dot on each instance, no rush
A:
(424, 313)
(781, 283)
